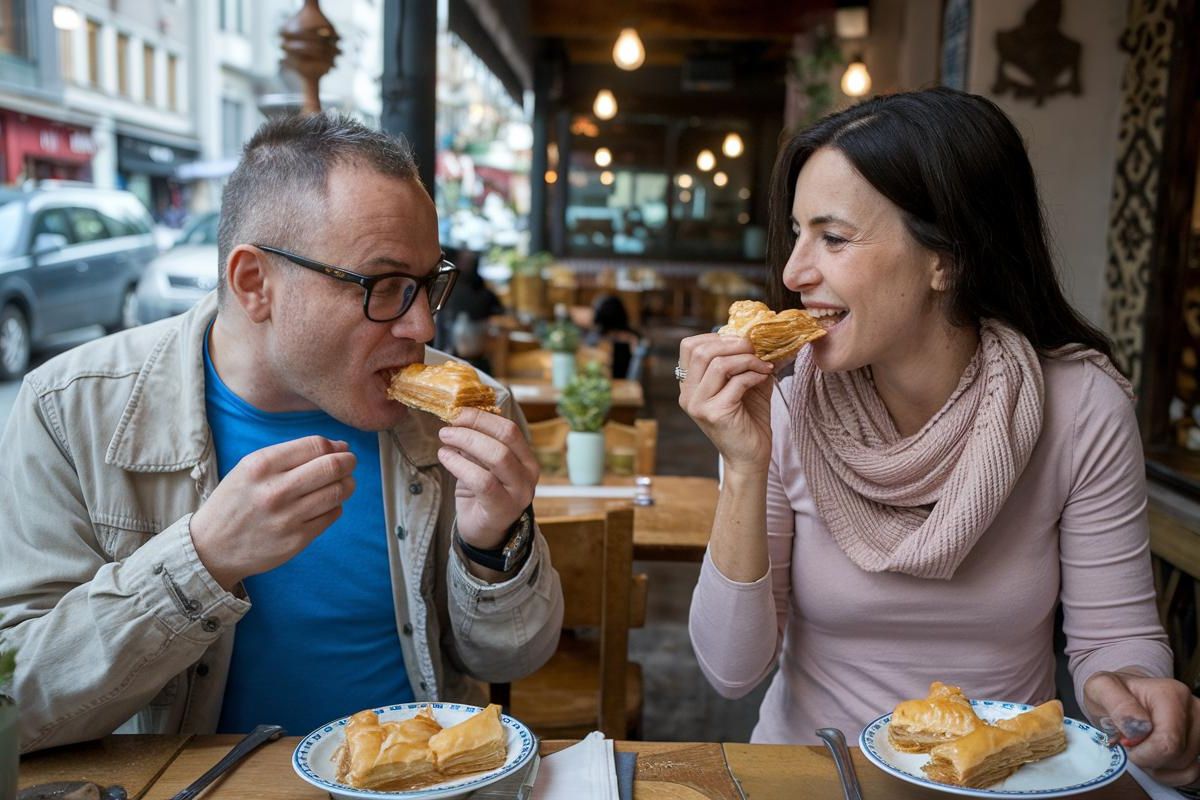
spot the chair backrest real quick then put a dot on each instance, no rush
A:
(594, 558)
(549, 441)
(533, 364)
(631, 449)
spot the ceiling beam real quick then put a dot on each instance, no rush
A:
(677, 19)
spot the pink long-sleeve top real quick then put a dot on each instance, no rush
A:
(851, 644)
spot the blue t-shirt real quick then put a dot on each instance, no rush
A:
(320, 639)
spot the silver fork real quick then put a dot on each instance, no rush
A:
(836, 742)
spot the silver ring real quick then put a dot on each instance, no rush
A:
(680, 373)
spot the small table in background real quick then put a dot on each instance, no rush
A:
(539, 399)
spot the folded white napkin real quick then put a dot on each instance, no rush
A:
(1152, 787)
(583, 771)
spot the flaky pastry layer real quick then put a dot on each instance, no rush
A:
(775, 336)
(442, 389)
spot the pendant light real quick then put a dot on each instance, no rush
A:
(603, 157)
(628, 52)
(605, 105)
(733, 146)
(856, 81)
(705, 161)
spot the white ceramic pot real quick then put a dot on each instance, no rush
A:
(562, 369)
(585, 457)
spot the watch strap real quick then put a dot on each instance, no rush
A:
(502, 558)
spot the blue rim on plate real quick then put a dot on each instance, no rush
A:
(526, 746)
(1117, 760)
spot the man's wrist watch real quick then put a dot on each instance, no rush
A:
(510, 556)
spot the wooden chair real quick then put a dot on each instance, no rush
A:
(589, 683)
(630, 449)
(530, 364)
(549, 440)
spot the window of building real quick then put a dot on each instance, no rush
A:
(66, 55)
(231, 127)
(148, 73)
(93, 52)
(14, 33)
(172, 82)
(233, 15)
(123, 64)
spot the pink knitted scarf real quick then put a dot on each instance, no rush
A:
(918, 505)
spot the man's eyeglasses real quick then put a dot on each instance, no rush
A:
(389, 296)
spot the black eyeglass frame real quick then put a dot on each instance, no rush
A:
(368, 282)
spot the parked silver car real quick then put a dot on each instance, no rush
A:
(182, 275)
(71, 256)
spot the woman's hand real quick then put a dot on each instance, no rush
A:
(728, 393)
(1159, 720)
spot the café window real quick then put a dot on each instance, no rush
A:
(14, 31)
(668, 190)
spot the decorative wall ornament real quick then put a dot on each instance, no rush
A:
(1135, 198)
(1036, 59)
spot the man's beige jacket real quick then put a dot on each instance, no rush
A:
(118, 625)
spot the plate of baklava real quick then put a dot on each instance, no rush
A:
(990, 748)
(414, 751)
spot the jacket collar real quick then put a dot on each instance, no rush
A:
(164, 426)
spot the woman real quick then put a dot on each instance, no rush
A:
(952, 460)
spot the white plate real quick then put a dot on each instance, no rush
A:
(313, 757)
(1087, 763)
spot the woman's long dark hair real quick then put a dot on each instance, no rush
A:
(957, 169)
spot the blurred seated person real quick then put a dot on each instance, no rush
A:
(462, 324)
(610, 321)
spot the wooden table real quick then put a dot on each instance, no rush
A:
(539, 399)
(675, 528)
(665, 771)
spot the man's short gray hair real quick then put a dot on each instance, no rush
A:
(285, 167)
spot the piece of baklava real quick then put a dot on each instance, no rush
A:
(943, 716)
(775, 336)
(1041, 728)
(984, 756)
(993, 752)
(476, 744)
(443, 389)
(389, 756)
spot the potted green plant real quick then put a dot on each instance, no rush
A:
(584, 405)
(561, 338)
(10, 737)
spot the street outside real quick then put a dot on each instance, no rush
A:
(9, 389)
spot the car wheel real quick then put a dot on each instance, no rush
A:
(129, 311)
(15, 344)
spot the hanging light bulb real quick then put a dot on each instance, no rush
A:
(856, 81)
(706, 160)
(720, 179)
(605, 105)
(684, 181)
(603, 157)
(733, 145)
(607, 177)
(628, 52)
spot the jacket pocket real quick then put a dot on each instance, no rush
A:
(119, 538)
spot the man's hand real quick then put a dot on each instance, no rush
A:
(496, 471)
(1159, 721)
(271, 505)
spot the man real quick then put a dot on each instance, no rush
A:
(240, 466)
